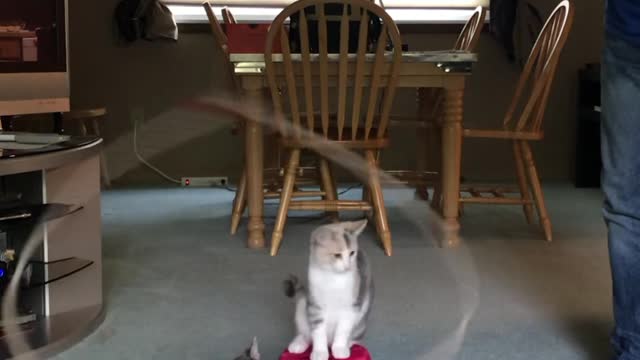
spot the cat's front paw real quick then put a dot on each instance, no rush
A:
(340, 351)
(319, 355)
(298, 345)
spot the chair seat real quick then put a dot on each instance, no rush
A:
(399, 121)
(304, 143)
(86, 113)
(503, 134)
(372, 143)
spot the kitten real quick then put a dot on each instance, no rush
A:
(251, 353)
(333, 310)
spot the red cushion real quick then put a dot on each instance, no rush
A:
(357, 353)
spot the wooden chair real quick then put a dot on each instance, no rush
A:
(240, 200)
(227, 16)
(523, 121)
(366, 133)
(90, 117)
(216, 28)
(274, 176)
(470, 35)
(427, 123)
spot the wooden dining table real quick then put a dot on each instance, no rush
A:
(447, 70)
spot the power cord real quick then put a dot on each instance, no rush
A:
(155, 169)
(352, 187)
(174, 180)
(143, 160)
(228, 188)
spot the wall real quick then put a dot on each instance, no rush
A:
(153, 78)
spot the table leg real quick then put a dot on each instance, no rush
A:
(451, 161)
(254, 160)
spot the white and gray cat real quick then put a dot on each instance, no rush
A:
(332, 311)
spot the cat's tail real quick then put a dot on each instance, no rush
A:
(293, 287)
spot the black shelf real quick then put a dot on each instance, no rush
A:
(32, 215)
(58, 270)
(49, 335)
(74, 142)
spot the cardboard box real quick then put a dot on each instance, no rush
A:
(10, 49)
(30, 49)
(249, 38)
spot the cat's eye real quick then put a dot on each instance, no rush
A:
(337, 256)
(352, 253)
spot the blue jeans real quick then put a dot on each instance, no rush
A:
(621, 186)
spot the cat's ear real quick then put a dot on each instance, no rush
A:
(356, 227)
(321, 235)
(255, 355)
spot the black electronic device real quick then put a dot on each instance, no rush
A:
(588, 162)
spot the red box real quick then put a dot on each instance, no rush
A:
(249, 38)
(357, 353)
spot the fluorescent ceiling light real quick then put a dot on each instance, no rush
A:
(196, 14)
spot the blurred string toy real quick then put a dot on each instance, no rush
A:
(459, 263)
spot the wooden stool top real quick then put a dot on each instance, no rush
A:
(86, 113)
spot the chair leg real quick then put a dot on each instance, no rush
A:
(537, 189)
(436, 149)
(239, 203)
(366, 196)
(371, 214)
(377, 198)
(423, 152)
(436, 201)
(106, 179)
(285, 199)
(320, 180)
(326, 178)
(334, 182)
(525, 193)
(422, 160)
